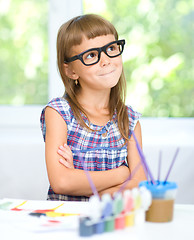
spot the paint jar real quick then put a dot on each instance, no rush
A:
(163, 196)
(86, 228)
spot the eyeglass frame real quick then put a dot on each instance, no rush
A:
(99, 50)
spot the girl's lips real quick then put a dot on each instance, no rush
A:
(107, 73)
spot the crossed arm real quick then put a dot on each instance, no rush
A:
(136, 169)
(64, 179)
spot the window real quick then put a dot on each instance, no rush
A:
(24, 52)
(158, 56)
(28, 77)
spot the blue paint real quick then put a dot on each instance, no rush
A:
(86, 228)
(99, 227)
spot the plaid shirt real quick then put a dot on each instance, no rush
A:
(99, 152)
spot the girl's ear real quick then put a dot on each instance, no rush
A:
(69, 72)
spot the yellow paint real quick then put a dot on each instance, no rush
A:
(129, 219)
(57, 214)
(57, 206)
(20, 204)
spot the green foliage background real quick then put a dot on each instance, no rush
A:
(158, 57)
(23, 52)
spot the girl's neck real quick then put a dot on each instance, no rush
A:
(96, 106)
(98, 100)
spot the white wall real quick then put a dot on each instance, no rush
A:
(166, 134)
(22, 163)
(22, 167)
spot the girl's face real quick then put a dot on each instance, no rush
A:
(103, 75)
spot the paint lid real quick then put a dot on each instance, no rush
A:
(159, 189)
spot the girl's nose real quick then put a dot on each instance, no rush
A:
(104, 59)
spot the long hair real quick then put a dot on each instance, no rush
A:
(71, 34)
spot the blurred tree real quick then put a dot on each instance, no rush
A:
(158, 57)
(24, 52)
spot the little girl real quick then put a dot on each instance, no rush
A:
(91, 122)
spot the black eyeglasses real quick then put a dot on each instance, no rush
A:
(92, 56)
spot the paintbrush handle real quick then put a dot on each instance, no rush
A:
(172, 163)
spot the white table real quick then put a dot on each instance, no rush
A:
(182, 227)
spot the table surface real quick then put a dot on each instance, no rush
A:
(182, 227)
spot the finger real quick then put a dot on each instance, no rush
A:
(68, 149)
(65, 163)
(62, 161)
(66, 157)
(62, 153)
(62, 148)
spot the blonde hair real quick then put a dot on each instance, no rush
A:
(71, 34)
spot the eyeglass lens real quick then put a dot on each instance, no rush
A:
(112, 50)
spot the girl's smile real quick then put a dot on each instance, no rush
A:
(106, 73)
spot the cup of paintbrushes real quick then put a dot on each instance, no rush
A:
(163, 196)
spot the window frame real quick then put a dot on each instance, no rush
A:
(16, 116)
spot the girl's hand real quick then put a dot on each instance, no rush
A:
(65, 152)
